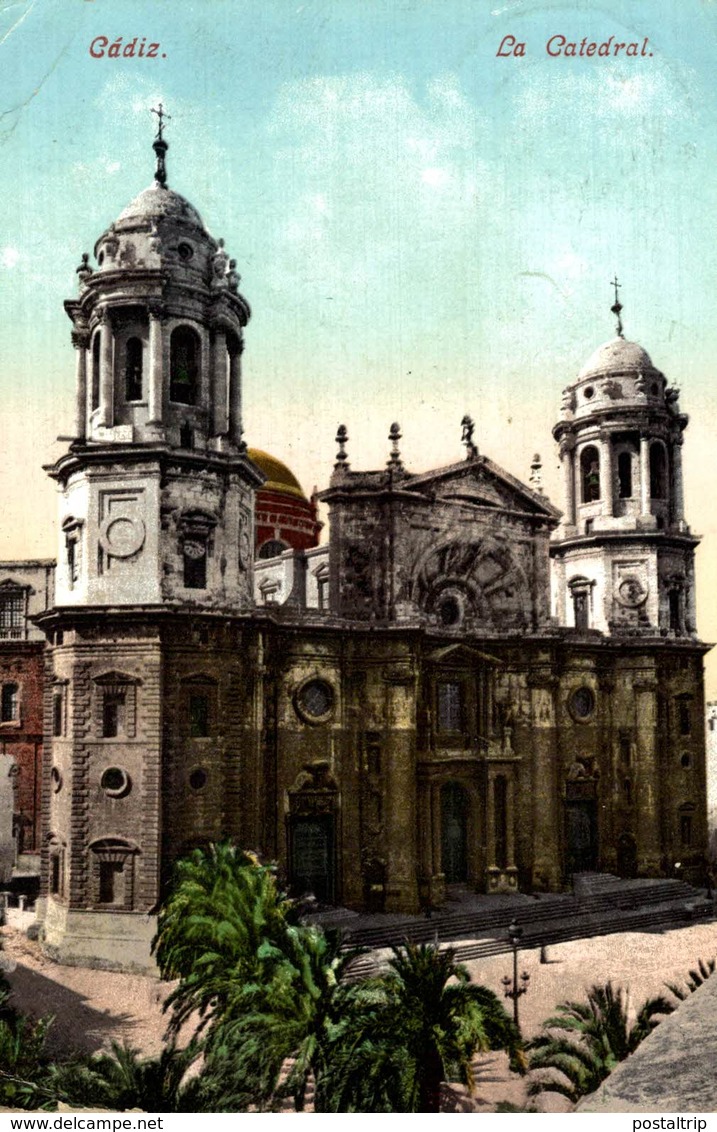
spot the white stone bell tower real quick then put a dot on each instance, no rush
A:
(624, 554)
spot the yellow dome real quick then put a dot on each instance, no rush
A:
(278, 476)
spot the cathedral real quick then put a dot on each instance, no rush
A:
(461, 686)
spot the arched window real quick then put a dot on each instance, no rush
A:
(272, 549)
(624, 474)
(184, 366)
(590, 474)
(96, 344)
(133, 370)
(658, 471)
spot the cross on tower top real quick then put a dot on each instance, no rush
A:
(161, 115)
(617, 306)
(160, 146)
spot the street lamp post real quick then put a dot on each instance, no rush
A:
(511, 989)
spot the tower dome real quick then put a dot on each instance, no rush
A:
(616, 356)
(285, 518)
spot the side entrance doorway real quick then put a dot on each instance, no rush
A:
(454, 833)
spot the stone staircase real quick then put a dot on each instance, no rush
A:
(601, 905)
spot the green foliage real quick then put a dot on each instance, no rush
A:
(695, 979)
(224, 921)
(584, 1041)
(23, 1060)
(123, 1080)
(412, 1028)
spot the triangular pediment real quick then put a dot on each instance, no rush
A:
(458, 652)
(480, 482)
(12, 584)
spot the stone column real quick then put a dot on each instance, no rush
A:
(645, 477)
(156, 383)
(235, 407)
(677, 489)
(607, 491)
(547, 782)
(80, 340)
(219, 391)
(402, 870)
(567, 456)
(647, 779)
(106, 371)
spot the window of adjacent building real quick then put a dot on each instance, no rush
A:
(684, 717)
(95, 374)
(590, 474)
(686, 830)
(627, 791)
(624, 474)
(184, 366)
(12, 615)
(133, 370)
(449, 705)
(198, 715)
(112, 872)
(658, 471)
(194, 553)
(10, 703)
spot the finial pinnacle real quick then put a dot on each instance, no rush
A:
(342, 455)
(160, 146)
(394, 435)
(468, 426)
(617, 307)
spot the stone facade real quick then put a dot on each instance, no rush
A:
(398, 712)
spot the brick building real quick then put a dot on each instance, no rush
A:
(403, 709)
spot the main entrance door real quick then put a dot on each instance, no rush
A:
(581, 835)
(454, 833)
(312, 856)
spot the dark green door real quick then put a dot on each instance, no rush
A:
(312, 857)
(454, 833)
(581, 835)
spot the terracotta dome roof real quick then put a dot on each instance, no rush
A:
(617, 356)
(279, 477)
(157, 202)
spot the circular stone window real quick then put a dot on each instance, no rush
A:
(315, 700)
(56, 780)
(582, 703)
(115, 782)
(589, 392)
(185, 252)
(198, 778)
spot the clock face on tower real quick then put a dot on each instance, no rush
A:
(194, 549)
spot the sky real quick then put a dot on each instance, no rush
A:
(423, 227)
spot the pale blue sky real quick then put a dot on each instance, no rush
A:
(422, 229)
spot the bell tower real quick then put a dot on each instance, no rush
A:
(148, 638)
(624, 554)
(156, 490)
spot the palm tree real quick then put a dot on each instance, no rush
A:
(696, 978)
(123, 1080)
(418, 1025)
(584, 1041)
(224, 919)
(277, 1032)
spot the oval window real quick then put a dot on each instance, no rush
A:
(198, 778)
(315, 699)
(582, 703)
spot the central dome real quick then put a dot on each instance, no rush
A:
(158, 202)
(278, 476)
(617, 356)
